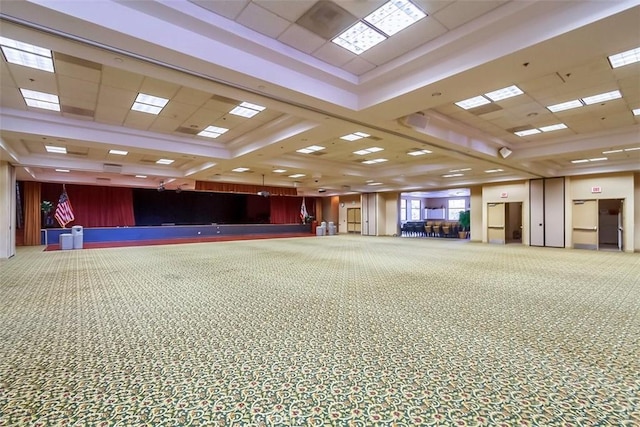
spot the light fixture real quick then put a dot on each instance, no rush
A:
(26, 54)
(504, 93)
(355, 136)
(371, 162)
(212, 131)
(602, 97)
(310, 149)
(624, 58)
(368, 151)
(551, 128)
(297, 175)
(419, 152)
(63, 170)
(636, 111)
(263, 192)
(161, 186)
(279, 170)
(474, 102)
(141, 176)
(394, 16)
(565, 106)
(247, 109)
(452, 175)
(239, 170)
(118, 152)
(374, 183)
(47, 101)
(164, 161)
(55, 149)
(504, 152)
(527, 132)
(494, 170)
(149, 104)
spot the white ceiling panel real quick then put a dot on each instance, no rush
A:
(460, 12)
(287, 9)
(227, 8)
(301, 39)
(263, 21)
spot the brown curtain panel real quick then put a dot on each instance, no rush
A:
(32, 213)
(286, 210)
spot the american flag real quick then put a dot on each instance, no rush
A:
(303, 211)
(64, 212)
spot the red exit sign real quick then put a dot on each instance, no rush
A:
(596, 189)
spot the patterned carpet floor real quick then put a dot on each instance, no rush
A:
(329, 331)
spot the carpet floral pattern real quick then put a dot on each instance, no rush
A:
(329, 331)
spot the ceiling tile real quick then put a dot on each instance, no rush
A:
(333, 54)
(73, 88)
(227, 8)
(431, 6)
(358, 66)
(262, 21)
(287, 9)
(156, 87)
(122, 79)
(30, 78)
(360, 9)
(187, 95)
(463, 11)
(116, 97)
(110, 115)
(76, 67)
(301, 39)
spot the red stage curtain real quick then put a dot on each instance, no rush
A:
(95, 206)
(286, 210)
(226, 187)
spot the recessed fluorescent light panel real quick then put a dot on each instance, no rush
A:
(595, 159)
(602, 97)
(55, 149)
(419, 152)
(62, 170)
(527, 132)
(551, 128)
(239, 170)
(636, 111)
(141, 176)
(296, 175)
(26, 54)
(452, 175)
(374, 183)
(565, 106)
(371, 162)
(504, 93)
(149, 103)
(359, 38)
(394, 16)
(279, 170)
(310, 149)
(632, 149)
(247, 109)
(355, 136)
(368, 151)
(625, 58)
(469, 103)
(165, 161)
(212, 131)
(43, 100)
(118, 152)
(494, 170)
(612, 151)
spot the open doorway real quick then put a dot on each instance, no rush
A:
(610, 224)
(513, 222)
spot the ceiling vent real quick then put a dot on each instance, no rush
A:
(485, 109)
(77, 111)
(326, 19)
(112, 168)
(188, 130)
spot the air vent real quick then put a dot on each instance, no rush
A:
(485, 109)
(112, 168)
(77, 153)
(224, 99)
(188, 131)
(326, 19)
(77, 111)
(374, 138)
(147, 161)
(77, 61)
(519, 128)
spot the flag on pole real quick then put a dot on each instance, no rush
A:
(64, 212)
(303, 211)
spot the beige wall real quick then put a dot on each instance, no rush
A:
(389, 214)
(7, 211)
(636, 218)
(507, 192)
(477, 208)
(612, 186)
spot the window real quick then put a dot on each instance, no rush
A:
(455, 207)
(415, 210)
(403, 209)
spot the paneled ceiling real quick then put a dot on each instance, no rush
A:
(206, 57)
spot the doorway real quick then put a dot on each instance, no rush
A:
(513, 222)
(353, 220)
(610, 224)
(597, 224)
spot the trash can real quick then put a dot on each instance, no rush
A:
(332, 229)
(321, 231)
(66, 241)
(78, 236)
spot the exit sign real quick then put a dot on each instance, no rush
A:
(596, 189)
